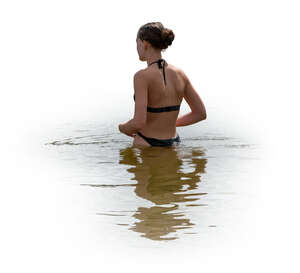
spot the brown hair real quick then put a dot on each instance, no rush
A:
(155, 33)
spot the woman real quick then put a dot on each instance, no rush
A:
(158, 93)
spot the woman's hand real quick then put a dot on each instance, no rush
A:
(123, 129)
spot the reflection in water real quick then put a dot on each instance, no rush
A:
(163, 177)
(157, 189)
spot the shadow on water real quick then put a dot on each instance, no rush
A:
(163, 178)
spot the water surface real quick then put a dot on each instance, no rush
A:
(158, 193)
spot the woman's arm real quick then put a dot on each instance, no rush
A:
(188, 119)
(131, 127)
(198, 111)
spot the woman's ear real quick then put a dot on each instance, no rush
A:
(146, 44)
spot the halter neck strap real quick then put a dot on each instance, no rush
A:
(159, 62)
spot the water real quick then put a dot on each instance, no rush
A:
(192, 193)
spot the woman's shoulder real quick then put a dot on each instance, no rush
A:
(149, 70)
(149, 74)
(141, 76)
(177, 69)
(142, 73)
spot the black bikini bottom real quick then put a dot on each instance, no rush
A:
(160, 142)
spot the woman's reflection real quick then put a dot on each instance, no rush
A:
(168, 177)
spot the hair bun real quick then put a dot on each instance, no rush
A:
(156, 34)
(167, 36)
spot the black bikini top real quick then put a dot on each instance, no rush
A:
(166, 108)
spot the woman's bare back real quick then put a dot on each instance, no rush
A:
(163, 125)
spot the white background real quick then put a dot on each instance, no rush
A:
(64, 61)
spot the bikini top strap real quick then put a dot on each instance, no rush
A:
(159, 63)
